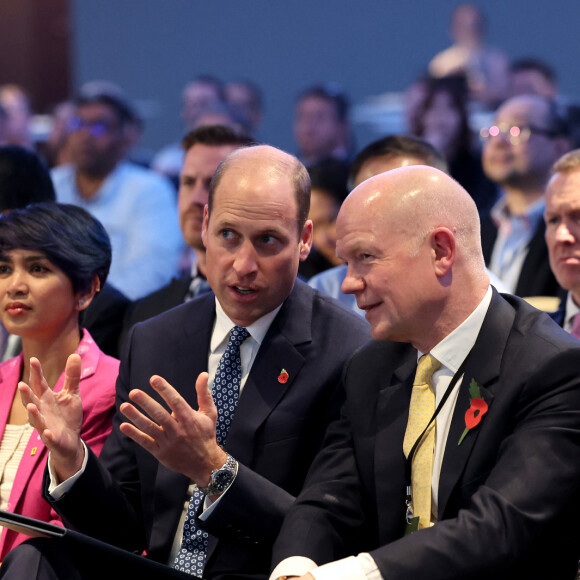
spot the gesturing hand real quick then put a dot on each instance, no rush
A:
(183, 440)
(57, 416)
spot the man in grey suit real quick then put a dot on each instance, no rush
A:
(255, 232)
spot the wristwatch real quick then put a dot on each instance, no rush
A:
(220, 479)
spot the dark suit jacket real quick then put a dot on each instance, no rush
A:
(171, 295)
(536, 278)
(104, 318)
(275, 433)
(508, 502)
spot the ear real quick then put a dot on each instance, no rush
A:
(443, 246)
(204, 225)
(83, 299)
(306, 240)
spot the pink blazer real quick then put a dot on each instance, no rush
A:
(97, 388)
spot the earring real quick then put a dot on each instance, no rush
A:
(81, 303)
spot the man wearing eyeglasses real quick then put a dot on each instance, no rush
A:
(526, 138)
(136, 206)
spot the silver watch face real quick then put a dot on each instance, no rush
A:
(221, 479)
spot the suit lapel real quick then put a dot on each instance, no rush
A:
(190, 348)
(262, 390)
(393, 412)
(484, 367)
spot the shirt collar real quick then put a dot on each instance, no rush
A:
(455, 347)
(571, 310)
(223, 326)
(533, 213)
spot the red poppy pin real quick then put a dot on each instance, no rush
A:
(477, 409)
(283, 376)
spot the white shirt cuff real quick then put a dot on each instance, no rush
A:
(58, 490)
(294, 566)
(361, 567)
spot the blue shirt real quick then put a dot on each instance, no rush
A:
(139, 211)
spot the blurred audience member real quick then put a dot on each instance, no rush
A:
(16, 105)
(321, 124)
(328, 190)
(53, 261)
(247, 101)
(527, 137)
(532, 76)
(484, 67)
(202, 93)
(204, 148)
(25, 180)
(561, 216)
(414, 98)
(56, 149)
(136, 206)
(442, 120)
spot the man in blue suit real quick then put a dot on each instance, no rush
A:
(255, 232)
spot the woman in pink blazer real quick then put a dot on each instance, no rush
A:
(53, 261)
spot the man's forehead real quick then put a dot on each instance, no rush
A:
(564, 188)
(523, 111)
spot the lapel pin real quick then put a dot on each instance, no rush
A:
(283, 376)
(33, 451)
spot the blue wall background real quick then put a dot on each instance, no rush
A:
(153, 47)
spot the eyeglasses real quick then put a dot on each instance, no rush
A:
(96, 128)
(514, 134)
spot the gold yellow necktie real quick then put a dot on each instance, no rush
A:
(421, 410)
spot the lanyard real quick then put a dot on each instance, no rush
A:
(409, 460)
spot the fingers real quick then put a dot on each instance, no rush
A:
(72, 374)
(142, 422)
(204, 396)
(38, 383)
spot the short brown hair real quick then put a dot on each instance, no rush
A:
(568, 163)
(215, 136)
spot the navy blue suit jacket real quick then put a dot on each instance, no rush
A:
(136, 503)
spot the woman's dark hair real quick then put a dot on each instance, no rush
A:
(68, 235)
(24, 179)
(456, 88)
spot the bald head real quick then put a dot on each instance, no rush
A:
(273, 163)
(411, 240)
(415, 200)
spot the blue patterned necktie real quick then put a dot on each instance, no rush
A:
(226, 388)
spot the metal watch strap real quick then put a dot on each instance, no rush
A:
(231, 465)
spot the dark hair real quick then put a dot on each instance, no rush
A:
(330, 175)
(122, 109)
(24, 179)
(556, 119)
(332, 93)
(456, 87)
(297, 174)
(69, 236)
(398, 146)
(535, 64)
(216, 136)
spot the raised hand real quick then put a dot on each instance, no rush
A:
(57, 416)
(183, 440)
